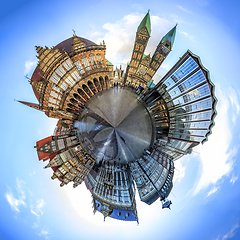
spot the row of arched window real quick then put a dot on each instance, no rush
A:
(78, 99)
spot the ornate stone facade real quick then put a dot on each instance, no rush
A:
(68, 75)
(72, 165)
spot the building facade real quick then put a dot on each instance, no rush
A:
(55, 144)
(68, 75)
(183, 106)
(159, 168)
(114, 192)
(72, 165)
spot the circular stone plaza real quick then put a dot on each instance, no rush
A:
(116, 126)
(118, 131)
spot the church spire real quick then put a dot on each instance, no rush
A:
(32, 105)
(145, 23)
(170, 36)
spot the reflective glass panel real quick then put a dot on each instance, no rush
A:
(194, 117)
(178, 74)
(190, 96)
(189, 83)
(188, 125)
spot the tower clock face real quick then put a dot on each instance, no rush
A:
(142, 70)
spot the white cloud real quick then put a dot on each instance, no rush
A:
(216, 155)
(120, 36)
(34, 213)
(235, 104)
(183, 9)
(44, 233)
(95, 35)
(31, 174)
(187, 35)
(232, 232)
(179, 171)
(234, 179)
(35, 225)
(29, 65)
(37, 208)
(212, 191)
(25, 197)
(16, 202)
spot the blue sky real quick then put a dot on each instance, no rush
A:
(206, 192)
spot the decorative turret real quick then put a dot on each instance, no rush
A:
(39, 50)
(106, 210)
(77, 44)
(48, 57)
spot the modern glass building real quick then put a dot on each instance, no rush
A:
(183, 106)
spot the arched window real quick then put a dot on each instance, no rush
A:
(90, 84)
(71, 106)
(77, 97)
(70, 110)
(82, 93)
(86, 89)
(106, 81)
(101, 81)
(72, 100)
(96, 82)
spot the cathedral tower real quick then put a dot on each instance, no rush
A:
(161, 52)
(141, 40)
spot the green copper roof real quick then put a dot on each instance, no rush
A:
(170, 36)
(108, 62)
(150, 83)
(144, 55)
(145, 23)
